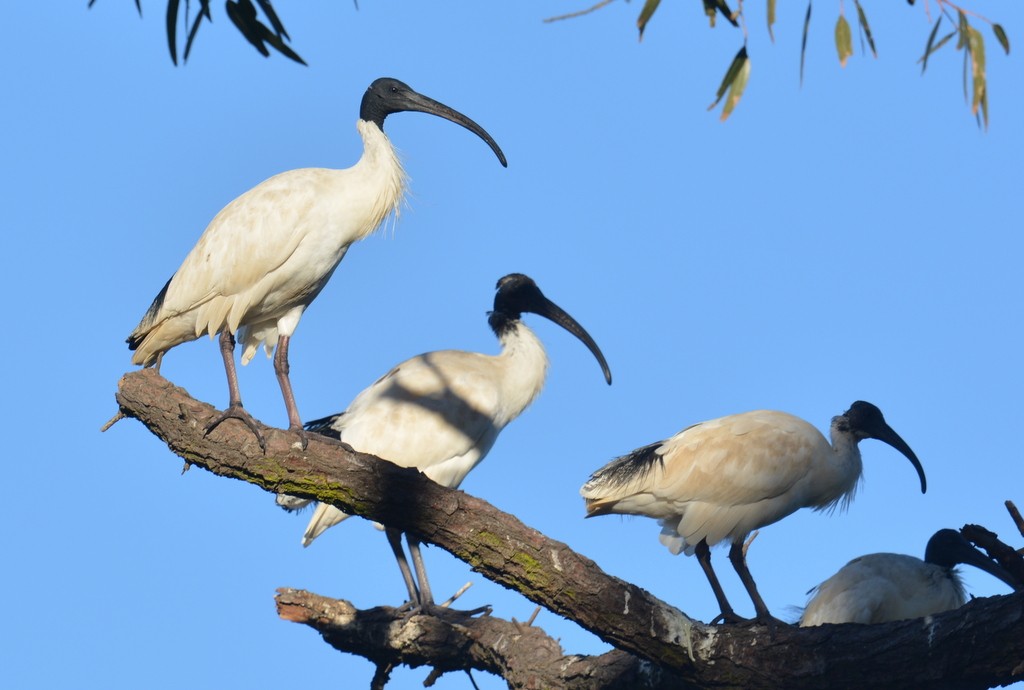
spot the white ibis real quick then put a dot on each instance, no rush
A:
(721, 479)
(882, 587)
(441, 412)
(267, 255)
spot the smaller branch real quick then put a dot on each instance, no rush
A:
(573, 15)
(1007, 557)
(943, 3)
(1015, 516)
(525, 656)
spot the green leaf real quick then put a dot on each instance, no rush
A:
(736, 90)
(204, 11)
(962, 26)
(268, 10)
(734, 82)
(943, 41)
(928, 49)
(726, 11)
(863, 19)
(1001, 37)
(803, 43)
(771, 19)
(979, 90)
(645, 15)
(243, 15)
(844, 40)
(172, 29)
(711, 11)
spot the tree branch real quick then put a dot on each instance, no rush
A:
(524, 655)
(979, 645)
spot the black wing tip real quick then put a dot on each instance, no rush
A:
(629, 467)
(323, 426)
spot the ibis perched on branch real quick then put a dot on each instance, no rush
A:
(883, 587)
(441, 412)
(721, 479)
(267, 255)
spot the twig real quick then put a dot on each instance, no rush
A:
(573, 15)
(1016, 517)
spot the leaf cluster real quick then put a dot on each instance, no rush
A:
(271, 34)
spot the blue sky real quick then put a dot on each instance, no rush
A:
(856, 238)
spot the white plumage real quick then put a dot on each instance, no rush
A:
(721, 479)
(267, 255)
(883, 587)
(441, 412)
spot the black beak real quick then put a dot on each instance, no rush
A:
(542, 306)
(886, 434)
(418, 102)
(948, 547)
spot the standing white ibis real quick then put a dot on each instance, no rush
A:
(883, 587)
(267, 255)
(719, 480)
(441, 412)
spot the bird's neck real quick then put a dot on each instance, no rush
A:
(844, 470)
(382, 171)
(524, 368)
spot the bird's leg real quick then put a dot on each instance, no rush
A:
(739, 562)
(703, 553)
(235, 409)
(281, 368)
(395, 540)
(426, 597)
(427, 604)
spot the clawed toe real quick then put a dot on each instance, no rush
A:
(239, 413)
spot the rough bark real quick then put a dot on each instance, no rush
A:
(979, 645)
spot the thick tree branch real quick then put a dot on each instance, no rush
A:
(979, 645)
(524, 655)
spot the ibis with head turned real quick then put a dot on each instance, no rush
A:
(441, 412)
(719, 480)
(267, 255)
(883, 587)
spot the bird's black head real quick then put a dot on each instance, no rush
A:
(386, 96)
(864, 420)
(948, 547)
(517, 293)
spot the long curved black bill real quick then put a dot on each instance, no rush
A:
(424, 104)
(551, 311)
(887, 435)
(948, 547)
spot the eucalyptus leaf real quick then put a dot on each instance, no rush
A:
(1001, 37)
(863, 19)
(645, 15)
(731, 74)
(771, 19)
(928, 49)
(844, 40)
(803, 43)
(979, 90)
(736, 90)
(172, 29)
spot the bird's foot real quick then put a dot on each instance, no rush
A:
(730, 618)
(409, 609)
(238, 412)
(765, 619)
(429, 608)
(303, 436)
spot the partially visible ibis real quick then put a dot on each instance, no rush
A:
(441, 412)
(719, 480)
(883, 587)
(267, 255)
